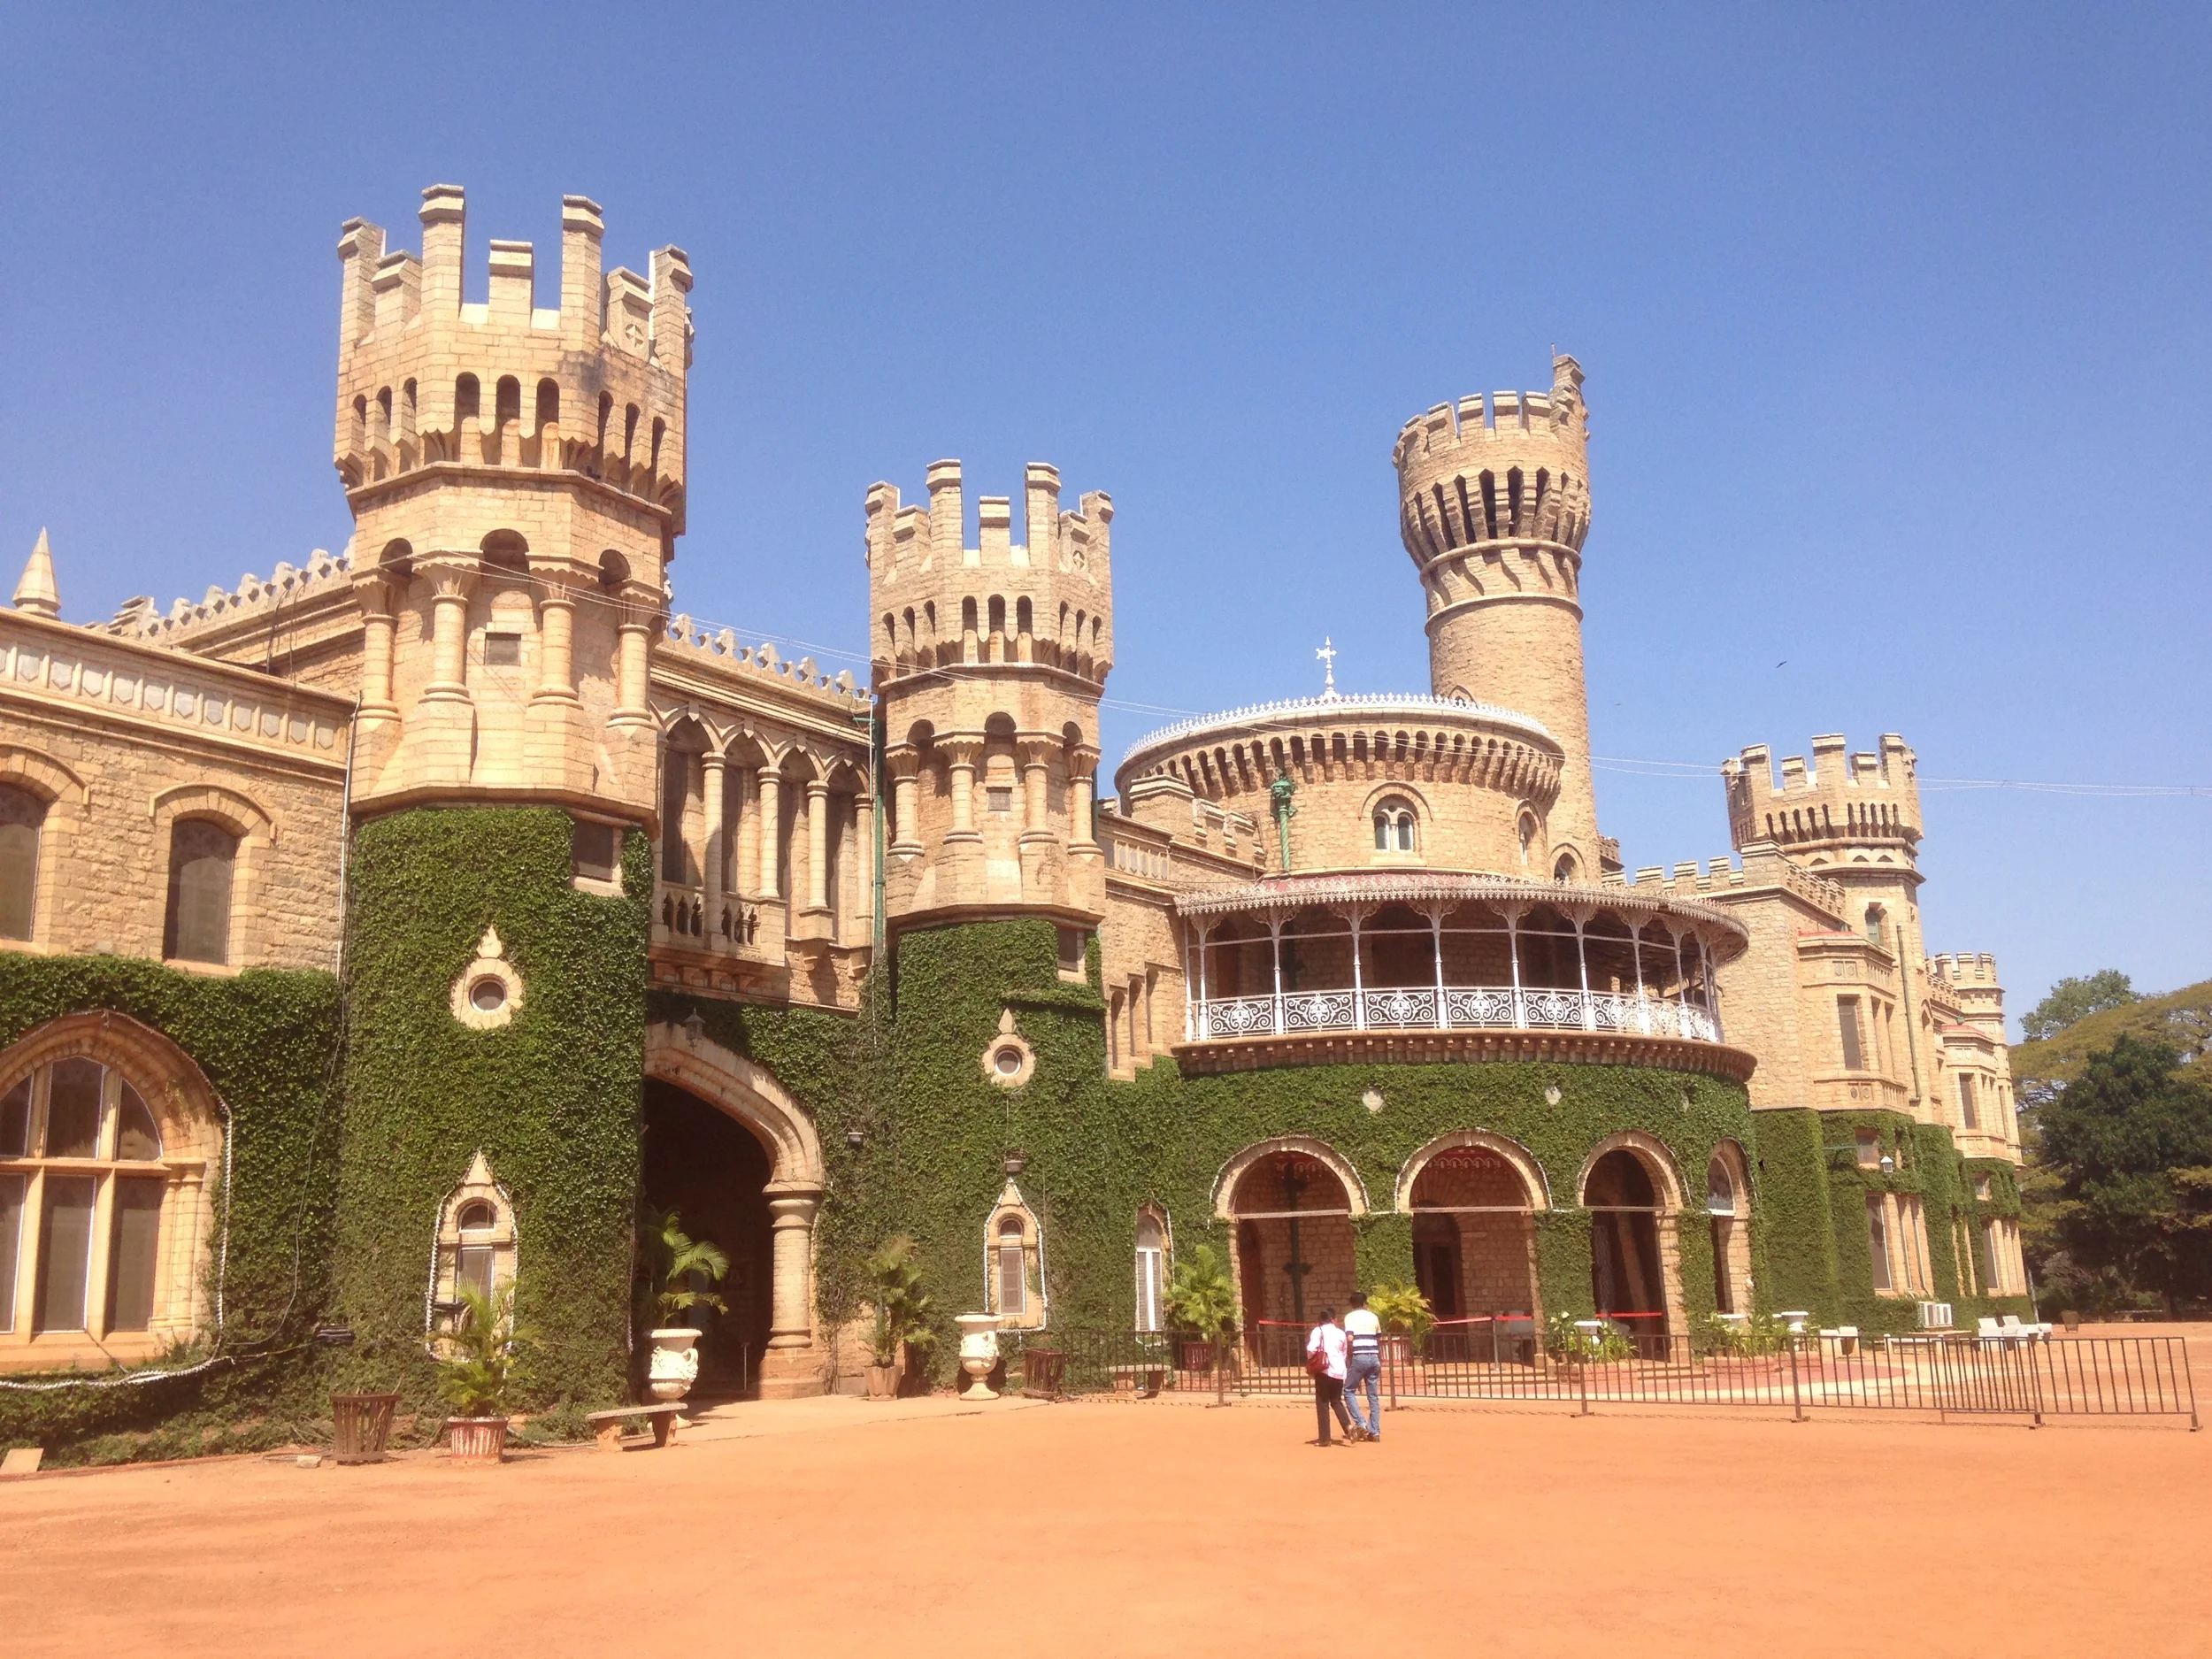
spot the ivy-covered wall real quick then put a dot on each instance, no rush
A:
(267, 1043)
(907, 1075)
(552, 1099)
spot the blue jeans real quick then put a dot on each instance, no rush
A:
(1365, 1369)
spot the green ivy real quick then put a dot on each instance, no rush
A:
(552, 1099)
(267, 1043)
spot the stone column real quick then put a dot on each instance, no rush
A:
(817, 845)
(557, 631)
(711, 797)
(771, 834)
(1035, 755)
(863, 906)
(745, 863)
(448, 636)
(790, 1368)
(961, 755)
(633, 665)
(1082, 786)
(378, 625)
(905, 766)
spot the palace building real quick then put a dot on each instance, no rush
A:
(407, 918)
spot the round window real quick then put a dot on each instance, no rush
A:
(489, 994)
(1008, 1060)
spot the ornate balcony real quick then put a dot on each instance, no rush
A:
(1426, 965)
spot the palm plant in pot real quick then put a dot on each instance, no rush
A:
(677, 1269)
(1405, 1315)
(902, 1308)
(483, 1353)
(1201, 1301)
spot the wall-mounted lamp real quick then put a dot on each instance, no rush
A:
(1889, 1165)
(1015, 1163)
(695, 1027)
(856, 1139)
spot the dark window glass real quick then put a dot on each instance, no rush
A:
(1847, 1027)
(64, 1253)
(133, 1246)
(476, 1215)
(21, 815)
(201, 856)
(73, 1109)
(15, 1120)
(502, 651)
(592, 847)
(137, 1137)
(12, 1191)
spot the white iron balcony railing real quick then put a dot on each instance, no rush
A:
(1465, 1008)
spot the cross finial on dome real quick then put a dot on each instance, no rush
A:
(1327, 654)
(36, 592)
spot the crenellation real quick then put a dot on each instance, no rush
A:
(1839, 803)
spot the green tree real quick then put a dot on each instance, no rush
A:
(1200, 1297)
(2130, 1141)
(2076, 998)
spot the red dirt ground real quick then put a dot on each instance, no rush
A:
(1118, 1527)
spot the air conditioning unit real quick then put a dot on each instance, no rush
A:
(1935, 1316)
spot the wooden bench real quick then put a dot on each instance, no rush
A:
(608, 1424)
(1145, 1379)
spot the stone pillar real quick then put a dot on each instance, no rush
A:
(1082, 786)
(745, 865)
(818, 811)
(771, 834)
(633, 663)
(378, 625)
(791, 1368)
(448, 636)
(906, 821)
(1036, 782)
(711, 797)
(557, 631)
(961, 754)
(863, 905)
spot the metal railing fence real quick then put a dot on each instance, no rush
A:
(1506, 1357)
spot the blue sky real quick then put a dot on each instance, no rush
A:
(1900, 364)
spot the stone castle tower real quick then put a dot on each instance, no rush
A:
(516, 475)
(989, 660)
(1494, 502)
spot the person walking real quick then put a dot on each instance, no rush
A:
(1363, 1333)
(1327, 1352)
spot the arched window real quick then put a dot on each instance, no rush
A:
(1874, 917)
(78, 1139)
(1564, 869)
(1151, 1269)
(1012, 1267)
(203, 861)
(475, 1248)
(22, 819)
(1526, 830)
(1394, 826)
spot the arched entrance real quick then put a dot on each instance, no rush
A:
(705, 1166)
(1634, 1279)
(1293, 1205)
(1473, 1199)
(757, 1176)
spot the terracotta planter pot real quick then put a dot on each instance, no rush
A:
(883, 1382)
(478, 1442)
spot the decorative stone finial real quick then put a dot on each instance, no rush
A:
(488, 948)
(1327, 655)
(36, 592)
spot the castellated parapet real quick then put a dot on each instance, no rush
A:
(989, 658)
(1494, 506)
(1842, 808)
(515, 474)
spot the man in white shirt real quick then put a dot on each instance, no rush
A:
(1363, 1331)
(1326, 1354)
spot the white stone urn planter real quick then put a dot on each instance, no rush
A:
(978, 1353)
(674, 1365)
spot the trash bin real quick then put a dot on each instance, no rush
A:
(360, 1424)
(1042, 1369)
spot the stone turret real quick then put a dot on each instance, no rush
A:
(989, 661)
(515, 474)
(1842, 808)
(1494, 502)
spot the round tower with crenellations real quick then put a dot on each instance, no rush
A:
(1494, 502)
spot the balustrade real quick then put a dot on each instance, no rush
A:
(1464, 1008)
